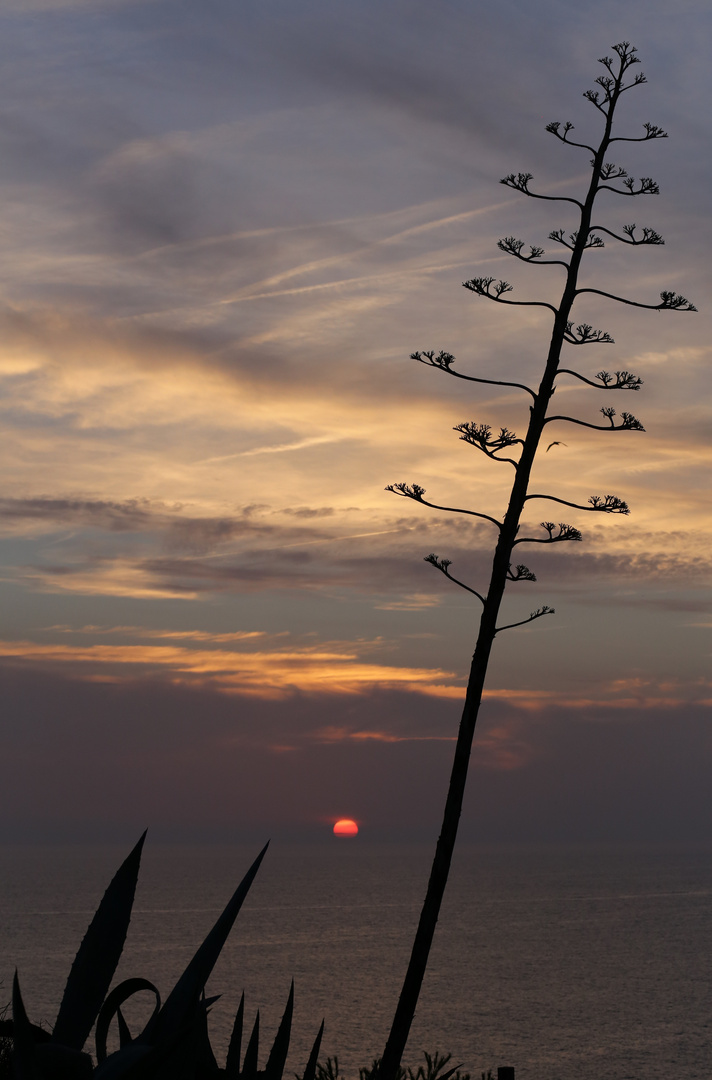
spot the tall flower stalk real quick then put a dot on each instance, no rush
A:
(520, 453)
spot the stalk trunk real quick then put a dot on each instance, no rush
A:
(405, 1011)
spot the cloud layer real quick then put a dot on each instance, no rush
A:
(224, 233)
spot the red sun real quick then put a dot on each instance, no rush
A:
(345, 827)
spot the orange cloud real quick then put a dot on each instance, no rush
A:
(276, 669)
(632, 693)
(144, 632)
(341, 734)
(310, 669)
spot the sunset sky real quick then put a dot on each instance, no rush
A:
(225, 227)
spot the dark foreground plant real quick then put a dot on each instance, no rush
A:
(5, 1048)
(431, 1070)
(174, 1044)
(519, 453)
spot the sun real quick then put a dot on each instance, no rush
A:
(345, 827)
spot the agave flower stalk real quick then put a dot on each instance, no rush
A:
(519, 453)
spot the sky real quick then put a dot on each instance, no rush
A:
(225, 228)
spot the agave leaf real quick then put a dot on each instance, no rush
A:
(310, 1071)
(182, 1056)
(450, 1072)
(112, 1006)
(174, 1059)
(24, 1065)
(33, 1058)
(98, 955)
(232, 1064)
(207, 1066)
(182, 1000)
(132, 1060)
(125, 1036)
(249, 1066)
(278, 1054)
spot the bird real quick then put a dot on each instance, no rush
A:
(556, 443)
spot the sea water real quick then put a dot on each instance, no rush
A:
(564, 963)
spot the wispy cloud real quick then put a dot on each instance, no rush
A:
(277, 448)
(626, 693)
(211, 290)
(283, 666)
(341, 734)
(174, 635)
(284, 670)
(414, 602)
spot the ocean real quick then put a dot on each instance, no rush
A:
(562, 962)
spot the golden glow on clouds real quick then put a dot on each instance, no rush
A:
(279, 448)
(268, 674)
(635, 693)
(205, 380)
(123, 415)
(412, 602)
(115, 579)
(120, 417)
(219, 406)
(279, 668)
(335, 734)
(177, 635)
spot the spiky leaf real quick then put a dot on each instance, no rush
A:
(112, 1007)
(232, 1064)
(249, 1066)
(125, 1036)
(278, 1054)
(310, 1071)
(98, 956)
(184, 996)
(24, 1065)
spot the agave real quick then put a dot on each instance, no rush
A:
(174, 1044)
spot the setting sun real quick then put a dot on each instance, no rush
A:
(345, 827)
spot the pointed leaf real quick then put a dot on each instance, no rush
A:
(24, 1064)
(249, 1067)
(278, 1054)
(180, 1057)
(451, 1072)
(98, 955)
(184, 996)
(206, 1065)
(112, 1005)
(174, 1059)
(310, 1071)
(125, 1036)
(232, 1064)
(33, 1058)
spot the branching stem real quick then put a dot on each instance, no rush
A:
(669, 301)
(615, 81)
(444, 361)
(443, 566)
(522, 622)
(624, 380)
(416, 494)
(606, 504)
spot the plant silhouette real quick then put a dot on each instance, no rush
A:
(517, 453)
(174, 1044)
